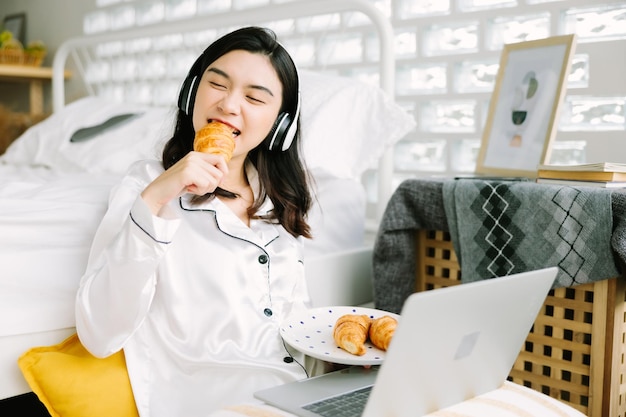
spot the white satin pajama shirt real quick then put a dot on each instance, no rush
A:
(193, 296)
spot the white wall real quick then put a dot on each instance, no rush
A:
(52, 21)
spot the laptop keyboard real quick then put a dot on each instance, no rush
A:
(350, 404)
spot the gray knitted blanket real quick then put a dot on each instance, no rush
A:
(499, 228)
(502, 228)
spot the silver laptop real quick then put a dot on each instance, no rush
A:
(451, 344)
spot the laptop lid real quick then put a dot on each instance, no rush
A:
(451, 344)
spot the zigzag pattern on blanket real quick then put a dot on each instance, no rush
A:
(513, 227)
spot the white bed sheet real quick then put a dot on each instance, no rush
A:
(47, 222)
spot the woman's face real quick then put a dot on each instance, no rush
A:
(242, 90)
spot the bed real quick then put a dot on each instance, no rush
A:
(56, 177)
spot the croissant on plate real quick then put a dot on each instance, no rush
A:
(216, 138)
(381, 331)
(350, 332)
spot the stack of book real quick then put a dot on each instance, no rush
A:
(602, 174)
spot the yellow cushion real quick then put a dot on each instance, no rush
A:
(70, 381)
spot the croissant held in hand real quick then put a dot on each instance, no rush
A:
(351, 331)
(381, 331)
(216, 138)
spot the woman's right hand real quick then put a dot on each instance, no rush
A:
(197, 173)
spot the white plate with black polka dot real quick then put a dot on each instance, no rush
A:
(311, 332)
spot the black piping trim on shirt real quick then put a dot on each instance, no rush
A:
(294, 359)
(180, 202)
(217, 223)
(268, 243)
(146, 232)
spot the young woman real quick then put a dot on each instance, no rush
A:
(197, 261)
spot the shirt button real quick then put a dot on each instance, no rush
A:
(263, 259)
(268, 312)
(287, 359)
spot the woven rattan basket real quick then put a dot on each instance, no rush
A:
(11, 56)
(34, 59)
(575, 350)
(16, 57)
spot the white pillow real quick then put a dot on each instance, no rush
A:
(346, 127)
(347, 124)
(112, 151)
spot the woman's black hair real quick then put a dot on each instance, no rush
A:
(282, 174)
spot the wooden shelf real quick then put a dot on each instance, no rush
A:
(34, 76)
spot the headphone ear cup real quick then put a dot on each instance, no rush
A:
(284, 130)
(187, 95)
(278, 133)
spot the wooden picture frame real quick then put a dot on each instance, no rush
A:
(523, 110)
(16, 24)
